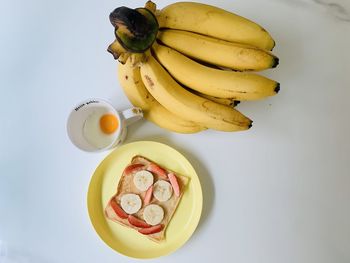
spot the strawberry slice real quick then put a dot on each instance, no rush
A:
(137, 222)
(153, 168)
(148, 195)
(151, 230)
(174, 184)
(133, 168)
(118, 210)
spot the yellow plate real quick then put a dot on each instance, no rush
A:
(127, 241)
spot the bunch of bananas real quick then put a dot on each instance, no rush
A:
(186, 65)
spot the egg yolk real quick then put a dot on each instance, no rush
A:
(108, 123)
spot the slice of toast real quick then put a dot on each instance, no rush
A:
(126, 185)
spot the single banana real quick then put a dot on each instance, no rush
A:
(153, 214)
(218, 52)
(131, 82)
(215, 22)
(187, 105)
(143, 180)
(162, 190)
(131, 203)
(214, 82)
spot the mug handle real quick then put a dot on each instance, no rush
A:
(131, 115)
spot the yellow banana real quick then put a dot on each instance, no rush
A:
(214, 82)
(138, 95)
(215, 22)
(187, 105)
(218, 52)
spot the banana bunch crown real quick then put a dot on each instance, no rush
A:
(135, 30)
(186, 65)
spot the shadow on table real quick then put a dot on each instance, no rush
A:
(203, 174)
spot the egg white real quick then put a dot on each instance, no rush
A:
(92, 131)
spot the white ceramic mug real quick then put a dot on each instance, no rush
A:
(80, 113)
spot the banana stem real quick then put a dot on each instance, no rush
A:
(135, 29)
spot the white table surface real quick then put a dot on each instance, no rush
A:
(278, 193)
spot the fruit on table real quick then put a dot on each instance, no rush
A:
(118, 210)
(211, 81)
(179, 64)
(137, 222)
(218, 52)
(151, 230)
(183, 103)
(135, 90)
(216, 22)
